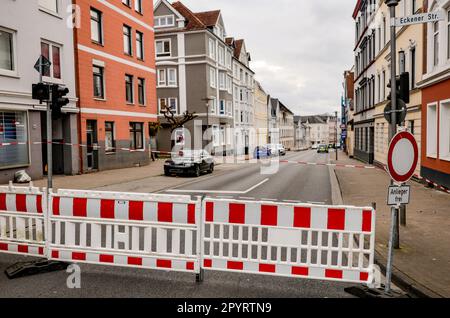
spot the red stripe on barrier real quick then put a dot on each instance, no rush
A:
(3, 247)
(333, 273)
(3, 201)
(302, 217)
(22, 249)
(106, 258)
(165, 212)
(137, 261)
(235, 265)
(207, 263)
(21, 203)
(191, 214)
(367, 221)
(364, 277)
(236, 213)
(55, 205)
(78, 256)
(79, 207)
(267, 268)
(136, 210)
(190, 266)
(209, 212)
(39, 204)
(107, 209)
(55, 254)
(269, 215)
(336, 219)
(163, 263)
(41, 251)
(300, 271)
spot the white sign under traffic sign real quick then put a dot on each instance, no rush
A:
(419, 18)
(399, 195)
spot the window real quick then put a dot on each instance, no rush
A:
(173, 102)
(141, 91)
(230, 108)
(213, 106)
(163, 48)
(136, 136)
(164, 21)
(228, 59)
(212, 49)
(96, 26)
(222, 108)
(171, 77)
(222, 81)
(6, 50)
(413, 68)
(162, 102)
(14, 129)
(161, 77)
(229, 84)
(127, 40)
(127, 2)
(110, 142)
(99, 89)
(448, 34)
(212, 77)
(432, 130)
(139, 45)
(413, 6)
(129, 89)
(444, 131)
(53, 53)
(138, 6)
(436, 43)
(221, 55)
(411, 126)
(51, 5)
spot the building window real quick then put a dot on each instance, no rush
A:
(53, 53)
(110, 142)
(171, 103)
(127, 3)
(51, 5)
(161, 77)
(127, 48)
(222, 81)
(212, 77)
(136, 136)
(230, 108)
(221, 55)
(96, 26)
(413, 68)
(436, 43)
(129, 89)
(213, 106)
(212, 49)
(14, 129)
(7, 50)
(444, 131)
(141, 91)
(448, 34)
(139, 45)
(222, 108)
(411, 126)
(171, 77)
(413, 6)
(138, 6)
(163, 48)
(432, 130)
(164, 21)
(99, 89)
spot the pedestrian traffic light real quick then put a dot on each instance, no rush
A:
(402, 87)
(58, 100)
(41, 92)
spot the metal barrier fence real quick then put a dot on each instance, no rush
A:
(176, 233)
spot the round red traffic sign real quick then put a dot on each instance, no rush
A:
(403, 157)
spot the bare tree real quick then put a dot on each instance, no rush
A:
(177, 121)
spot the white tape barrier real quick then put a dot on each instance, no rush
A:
(315, 242)
(136, 230)
(22, 220)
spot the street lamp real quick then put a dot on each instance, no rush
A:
(207, 100)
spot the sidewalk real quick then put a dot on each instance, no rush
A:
(423, 262)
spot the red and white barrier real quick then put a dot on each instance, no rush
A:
(22, 220)
(316, 242)
(125, 229)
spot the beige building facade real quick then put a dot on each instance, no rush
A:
(261, 115)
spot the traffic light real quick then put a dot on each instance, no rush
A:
(402, 87)
(41, 92)
(58, 100)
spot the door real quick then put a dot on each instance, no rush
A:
(92, 143)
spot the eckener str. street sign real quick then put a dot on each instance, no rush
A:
(419, 18)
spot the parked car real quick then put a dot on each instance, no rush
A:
(322, 149)
(277, 149)
(189, 162)
(315, 146)
(262, 152)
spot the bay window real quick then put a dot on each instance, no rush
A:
(7, 62)
(14, 129)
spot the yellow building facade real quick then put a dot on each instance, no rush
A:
(261, 115)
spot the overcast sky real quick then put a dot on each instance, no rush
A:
(299, 48)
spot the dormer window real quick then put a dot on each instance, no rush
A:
(164, 21)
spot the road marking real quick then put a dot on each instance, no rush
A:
(219, 191)
(317, 203)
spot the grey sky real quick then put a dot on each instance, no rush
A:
(299, 48)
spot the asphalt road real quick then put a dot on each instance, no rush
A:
(292, 182)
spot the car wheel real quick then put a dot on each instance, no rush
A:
(197, 172)
(211, 168)
(166, 173)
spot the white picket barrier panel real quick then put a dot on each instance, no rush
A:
(294, 240)
(125, 229)
(22, 220)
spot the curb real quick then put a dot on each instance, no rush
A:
(400, 279)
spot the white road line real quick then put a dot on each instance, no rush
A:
(219, 191)
(257, 185)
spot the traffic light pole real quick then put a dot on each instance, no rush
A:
(49, 147)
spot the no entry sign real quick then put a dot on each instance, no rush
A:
(403, 157)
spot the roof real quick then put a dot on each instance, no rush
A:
(282, 106)
(317, 119)
(357, 7)
(193, 22)
(209, 18)
(238, 48)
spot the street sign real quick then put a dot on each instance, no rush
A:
(403, 156)
(399, 195)
(419, 18)
(401, 111)
(45, 64)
